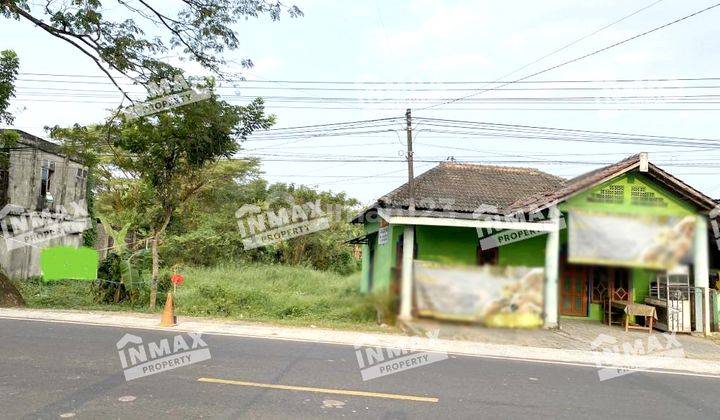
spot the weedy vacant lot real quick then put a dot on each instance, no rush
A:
(269, 293)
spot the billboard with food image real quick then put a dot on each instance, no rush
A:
(649, 241)
(495, 296)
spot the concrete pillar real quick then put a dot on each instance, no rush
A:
(702, 270)
(406, 281)
(552, 259)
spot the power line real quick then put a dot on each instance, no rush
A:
(44, 89)
(419, 82)
(566, 46)
(577, 41)
(381, 159)
(497, 152)
(375, 108)
(605, 140)
(459, 122)
(380, 100)
(448, 126)
(336, 124)
(586, 55)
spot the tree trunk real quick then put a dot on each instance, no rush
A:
(155, 270)
(156, 257)
(9, 294)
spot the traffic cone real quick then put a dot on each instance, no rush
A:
(168, 316)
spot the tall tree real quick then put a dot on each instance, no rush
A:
(9, 295)
(111, 34)
(149, 168)
(9, 64)
(175, 154)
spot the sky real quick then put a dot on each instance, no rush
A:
(435, 52)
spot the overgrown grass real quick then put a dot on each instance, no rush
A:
(66, 294)
(279, 294)
(276, 293)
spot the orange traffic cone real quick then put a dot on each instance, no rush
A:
(168, 316)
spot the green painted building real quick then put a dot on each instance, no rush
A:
(601, 237)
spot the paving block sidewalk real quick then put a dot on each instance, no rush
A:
(573, 335)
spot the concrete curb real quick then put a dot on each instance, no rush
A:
(669, 365)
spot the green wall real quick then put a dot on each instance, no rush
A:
(641, 278)
(600, 199)
(529, 252)
(384, 258)
(588, 200)
(447, 245)
(455, 245)
(370, 227)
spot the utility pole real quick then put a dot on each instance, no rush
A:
(411, 176)
(406, 277)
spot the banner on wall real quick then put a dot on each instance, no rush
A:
(650, 241)
(495, 296)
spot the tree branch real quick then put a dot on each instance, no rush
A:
(173, 30)
(58, 33)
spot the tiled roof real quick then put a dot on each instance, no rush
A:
(464, 187)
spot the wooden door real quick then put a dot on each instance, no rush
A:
(573, 291)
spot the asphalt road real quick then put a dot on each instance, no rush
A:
(56, 370)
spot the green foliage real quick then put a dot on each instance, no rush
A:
(90, 235)
(174, 154)
(206, 231)
(8, 138)
(79, 142)
(118, 236)
(121, 269)
(123, 278)
(198, 30)
(9, 64)
(110, 289)
(167, 159)
(274, 293)
(57, 294)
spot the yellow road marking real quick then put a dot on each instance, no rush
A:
(321, 390)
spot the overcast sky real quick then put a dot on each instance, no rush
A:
(437, 41)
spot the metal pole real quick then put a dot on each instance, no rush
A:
(411, 176)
